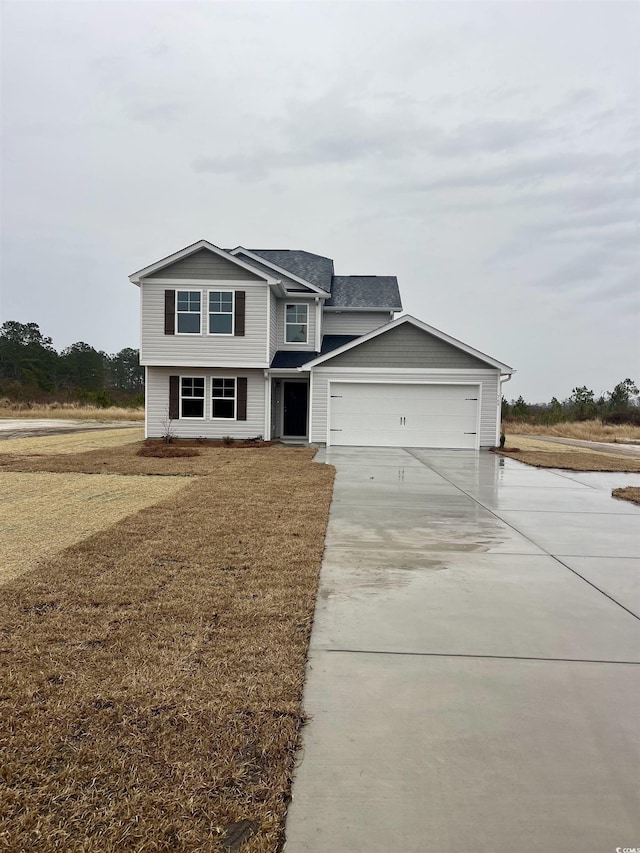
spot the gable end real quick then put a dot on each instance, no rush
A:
(406, 346)
(204, 264)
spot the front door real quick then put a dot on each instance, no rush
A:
(295, 401)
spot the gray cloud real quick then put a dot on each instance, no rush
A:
(484, 153)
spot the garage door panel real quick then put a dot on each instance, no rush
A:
(403, 415)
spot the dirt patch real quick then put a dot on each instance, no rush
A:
(570, 461)
(167, 451)
(627, 493)
(152, 674)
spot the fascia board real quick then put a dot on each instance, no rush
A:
(195, 247)
(350, 308)
(281, 270)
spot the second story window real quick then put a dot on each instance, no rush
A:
(188, 312)
(296, 324)
(220, 312)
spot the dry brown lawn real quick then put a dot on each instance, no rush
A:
(44, 513)
(525, 443)
(150, 693)
(73, 411)
(77, 442)
(584, 430)
(570, 461)
(628, 493)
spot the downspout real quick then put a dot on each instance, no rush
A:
(502, 382)
(267, 406)
(318, 342)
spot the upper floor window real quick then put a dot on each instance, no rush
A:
(191, 398)
(220, 312)
(296, 324)
(188, 312)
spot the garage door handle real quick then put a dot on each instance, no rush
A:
(471, 433)
(471, 398)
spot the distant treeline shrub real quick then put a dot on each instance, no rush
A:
(33, 372)
(619, 406)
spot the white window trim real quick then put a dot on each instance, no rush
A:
(286, 325)
(203, 398)
(230, 334)
(235, 399)
(188, 334)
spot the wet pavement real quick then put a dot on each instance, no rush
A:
(473, 681)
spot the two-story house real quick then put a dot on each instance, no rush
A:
(270, 342)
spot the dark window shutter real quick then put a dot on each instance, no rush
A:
(174, 398)
(240, 308)
(169, 312)
(242, 398)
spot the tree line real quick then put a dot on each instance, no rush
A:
(616, 407)
(32, 369)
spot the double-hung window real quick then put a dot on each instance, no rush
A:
(191, 398)
(220, 312)
(296, 324)
(188, 312)
(223, 398)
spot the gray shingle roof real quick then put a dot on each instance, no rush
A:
(314, 268)
(365, 291)
(296, 358)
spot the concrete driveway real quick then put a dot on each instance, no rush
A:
(474, 671)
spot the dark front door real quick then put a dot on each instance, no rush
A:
(295, 400)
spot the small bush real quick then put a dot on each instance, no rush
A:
(227, 440)
(623, 417)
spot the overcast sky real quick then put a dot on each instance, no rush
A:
(485, 153)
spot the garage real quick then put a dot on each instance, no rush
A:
(385, 414)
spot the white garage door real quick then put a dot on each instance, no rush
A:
(384, 415)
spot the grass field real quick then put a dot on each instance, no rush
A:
(546, 454)
(44, 513)
(71, 411)
(73, 443)
(583, 430)
(628, 493)
(152, 673)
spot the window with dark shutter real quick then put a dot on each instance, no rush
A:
(242, 398)
(169, 312)
(240, 310)
(174, 398)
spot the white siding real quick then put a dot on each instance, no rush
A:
(311, 336)
(488, 394)
(353, 322)
(157, 397)
(203, 349)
